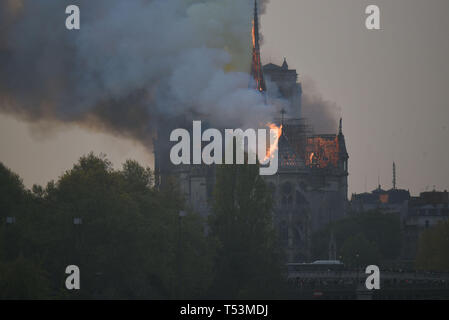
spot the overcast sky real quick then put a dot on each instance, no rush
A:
(391, 86)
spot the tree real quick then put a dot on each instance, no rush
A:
(14, 203)
(379, 236)
(138, 179)
(12, 193)
(23, 279)
(248, 263)
(433, 248)
(358, 251)
(130, 243)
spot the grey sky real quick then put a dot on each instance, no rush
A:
(391, 86)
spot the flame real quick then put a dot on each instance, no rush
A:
(322, 151)
(254, 36)
(256, 64)
(311, 157)
(274, 145)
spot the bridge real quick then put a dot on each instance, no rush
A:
(350, 284)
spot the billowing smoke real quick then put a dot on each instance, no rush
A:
(321, 114)
(131, 63)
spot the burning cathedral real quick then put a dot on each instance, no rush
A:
(311, 185)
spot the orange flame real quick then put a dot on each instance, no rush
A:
(322, 151)
(253, 36)
(274, 145)
(256, 62)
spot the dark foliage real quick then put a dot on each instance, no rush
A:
(129, 239)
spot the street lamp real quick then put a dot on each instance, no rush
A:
(181, 214)
(9, 235)
(10, 220)
(77, 222)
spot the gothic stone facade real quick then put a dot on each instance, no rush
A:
(310, 188)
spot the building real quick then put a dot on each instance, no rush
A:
(283, 83)
(311, 186)
(386, 201)
(419, 214)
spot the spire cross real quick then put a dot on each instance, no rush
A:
(283, 112)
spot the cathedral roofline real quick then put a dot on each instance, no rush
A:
(274, 67)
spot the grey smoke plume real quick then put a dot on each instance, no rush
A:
(131, 64)
(321, 114)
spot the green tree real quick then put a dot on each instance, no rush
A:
(433, 248)
(248, 263)
(131, 243)
(12, 193)
(15, 202)
(128, 241)
(23, 279)
(379, 233)
(358, 251)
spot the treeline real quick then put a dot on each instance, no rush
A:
(361, 239)
(374, 237)
(134, 241)
(433, 248)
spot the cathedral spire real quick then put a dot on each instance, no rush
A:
(256, 26)
(257, 80)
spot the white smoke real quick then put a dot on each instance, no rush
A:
(131, 63)
(321, 114)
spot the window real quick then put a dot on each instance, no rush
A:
(297, 237)
(300, 199)
(283, 233)
(10, 220)
(287, 197)
(287, 188)
(272, 189)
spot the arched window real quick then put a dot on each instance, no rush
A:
(283, 233)
(287, 195)
(297, 236)
(272, 189)
(300, 200)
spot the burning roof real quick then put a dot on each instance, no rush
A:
(322, 151)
